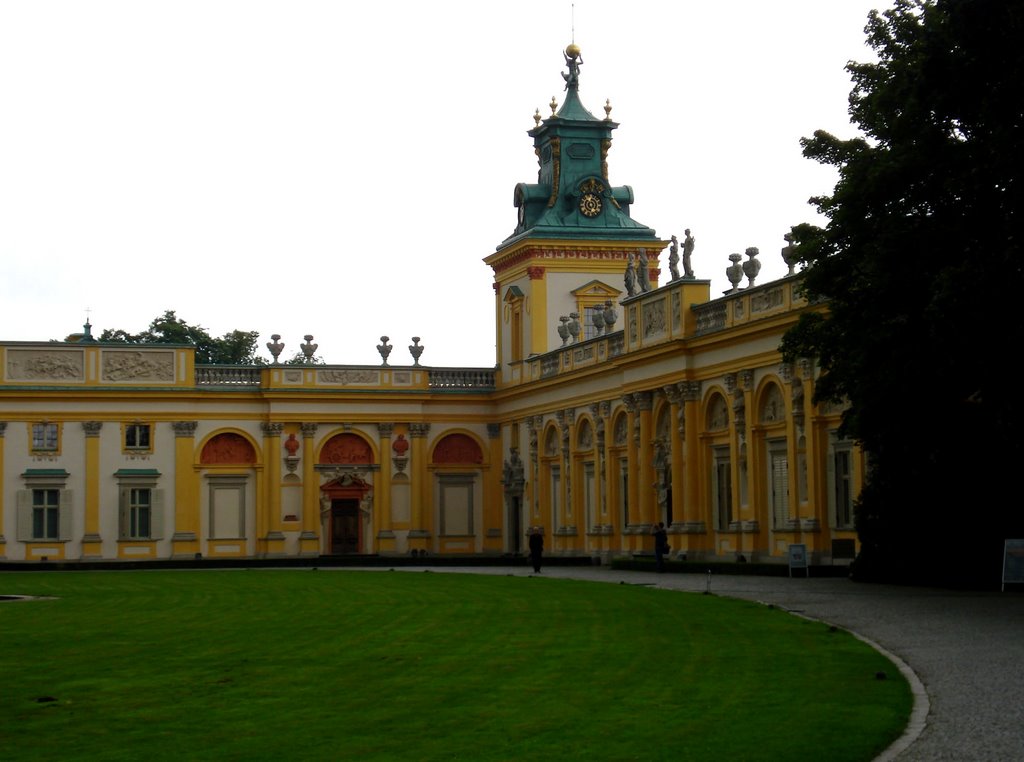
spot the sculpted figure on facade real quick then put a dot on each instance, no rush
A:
(643, 272)
(673, 258)
(573, 60)
(630, 277)
(688, 245)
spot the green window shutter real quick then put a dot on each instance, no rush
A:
(23, 500)
(156, 522)
(66, 497)
(123, 526)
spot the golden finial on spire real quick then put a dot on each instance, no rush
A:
(554, 105)
(607, 109)
(536, 117)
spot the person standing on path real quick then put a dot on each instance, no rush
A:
(536, 547)
(660, 545)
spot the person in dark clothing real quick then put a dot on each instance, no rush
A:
(660, 545)
(536, 547)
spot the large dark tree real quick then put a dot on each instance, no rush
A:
(234, 348)
(920, 266)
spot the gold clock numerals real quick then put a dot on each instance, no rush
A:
(590, 205)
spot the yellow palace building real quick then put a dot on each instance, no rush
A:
(622, 396)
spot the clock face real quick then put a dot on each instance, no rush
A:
(590, 205)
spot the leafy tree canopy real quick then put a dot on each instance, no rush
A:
(921, 266)
(234, 348)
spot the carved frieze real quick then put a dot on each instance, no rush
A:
(121, 365)
(184, 428)
(45, 365)
(348, 376)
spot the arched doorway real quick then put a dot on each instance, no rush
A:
(343, 504)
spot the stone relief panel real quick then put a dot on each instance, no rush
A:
(551, 442)
(585, 436)
(121, 365)
(348, 377)
(717, 413)
(228, 448)
(773, 408)
(621, 432)
(458, 448)
(45, 365)
(654, 318)
(346, 448)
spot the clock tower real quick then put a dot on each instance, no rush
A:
(573, 237)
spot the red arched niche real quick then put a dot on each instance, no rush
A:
(227, 448)
(346, 448)
(458, 448)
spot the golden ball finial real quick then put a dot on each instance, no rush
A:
(573, 51)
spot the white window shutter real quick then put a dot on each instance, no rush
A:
(23, 500)
(64, 530)
(123, 526)
(156, 518)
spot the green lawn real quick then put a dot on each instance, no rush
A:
(327, 665)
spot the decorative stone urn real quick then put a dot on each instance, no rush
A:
(789, 255)
(610, 316)
(385, 349)
(563, 329)
(308, 348)
(415, 350)
(276, 347)
(597, 318)
(734, 272)
(574, 326)
(751, 267)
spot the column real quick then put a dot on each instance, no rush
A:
(419, 534)
(676, 433)
(3, 542)
(494, 497)
(632, 472)
(309, 538)
(269, 534)
(185, 540)
(695, 516)
(645, 464)
(382, 491)
(538, 312)
(92, 545)
(600, 412)
(531, 495)
(571, 510)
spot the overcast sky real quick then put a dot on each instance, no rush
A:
(341, 169)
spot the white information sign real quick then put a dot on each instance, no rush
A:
(1013, 562)
(798, 558)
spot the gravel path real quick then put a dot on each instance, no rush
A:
(966, 648)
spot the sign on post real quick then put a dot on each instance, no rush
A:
(798, 558)
(1013, 562)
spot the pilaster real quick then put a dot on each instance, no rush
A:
(3, 542)
(634, 523)
(382, 492)
(269, 530)
(493, 540)
(309, 538)
(185, 540)
(420, 533)
(676, 433)
(92, 543)
(644, 404)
